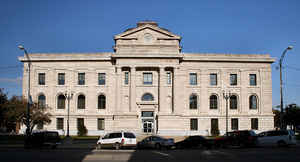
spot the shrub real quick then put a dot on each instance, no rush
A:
(82, 131)
(215, 131)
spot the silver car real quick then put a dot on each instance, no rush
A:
(276, 137)
(156, 142)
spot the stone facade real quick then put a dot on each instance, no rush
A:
(147, 62)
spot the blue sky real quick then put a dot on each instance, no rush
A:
(206, 26)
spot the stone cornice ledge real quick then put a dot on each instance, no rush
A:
(146, 55)
(67, 57)
(228, 57)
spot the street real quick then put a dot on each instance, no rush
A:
(272, 154)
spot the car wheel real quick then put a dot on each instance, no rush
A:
(157, 146)
(117, 146)
(98, 146)
(281, 143)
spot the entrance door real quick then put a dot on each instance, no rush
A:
(148, 126)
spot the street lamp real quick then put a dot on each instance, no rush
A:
(28, 91)
(281, 95)
(69, 96)
(226, 95)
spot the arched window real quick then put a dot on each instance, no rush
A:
(253, 102)
(213, 102)
(101, 102)
(147, 97)
(42, 101)
(193, 101)
(233, 102)
(61, 99)
(81, 102)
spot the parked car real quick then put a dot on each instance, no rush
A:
(117, 140)
(156, 142)
(42, 139)
(241, 138)
(193, 142)
(276, 137)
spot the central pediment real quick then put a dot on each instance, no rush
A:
(147, 37)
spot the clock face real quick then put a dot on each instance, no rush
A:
(148, 38)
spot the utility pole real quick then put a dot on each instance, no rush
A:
(69, 96)
(281, 94)
(28, 93)
(226, 95)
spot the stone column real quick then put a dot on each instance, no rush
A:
(118, 89)
(132, 91)
(161, 89)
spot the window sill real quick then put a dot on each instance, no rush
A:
(81, 85)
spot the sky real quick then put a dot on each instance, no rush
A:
(206, 26)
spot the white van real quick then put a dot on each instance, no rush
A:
(276, 138)
(117, 140)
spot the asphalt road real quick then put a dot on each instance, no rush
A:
(270, 154)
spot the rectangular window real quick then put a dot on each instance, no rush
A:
(252, 78)
(80, 121)
(213, 79)
(101, 124)
(233, 79)
(147, 114)
(81, 78)
(59, 123)
(254, 123)
(126, 80)
(214, 124)
(101, 78)
(194, 124)
(42, 77)
(169, 78)
(235, 124)
(193, 79)
(147, 78)
(61, 78)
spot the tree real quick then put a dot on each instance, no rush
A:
(17, 113)
(82, 131)
(292, 115)
(3, 109)
(276, 118)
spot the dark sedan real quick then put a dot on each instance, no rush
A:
(193, 142)
(156, 142)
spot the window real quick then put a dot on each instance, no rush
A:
(59, 123)
(61, 78)
(213, 102)
(42, 77)
(40, 126)
(126, 81)
(193, 101)
(61, 102)
(253, 102)
(194, 124)
(252, 79)
(193, 79)
(101, 124)
(254, 123)
(101, 78)
(213, 79)
(101, 102)
(42, 101)
(81, 102)
(235, 124)
(214, 124)
(147, 78)
(169, 78)
(233, 102)
(147, 114)
(147, 97)
(233, 79)
(81, 78)
(80, 122)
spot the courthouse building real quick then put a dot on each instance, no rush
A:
(148, 86)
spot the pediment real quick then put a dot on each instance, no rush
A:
(147, 37)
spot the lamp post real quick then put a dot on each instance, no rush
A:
(281, 95)
(226, 95)
(69, 96)
(28, 92)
